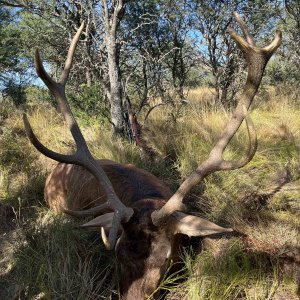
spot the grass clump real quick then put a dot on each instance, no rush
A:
(58, 262)
(229, 271)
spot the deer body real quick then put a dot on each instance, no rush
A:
(143, 218)
(74, 188)
(143, 250)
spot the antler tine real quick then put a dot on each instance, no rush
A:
(245, 29)
(271, 48)
(69, 61)
(41, 148)
(257, 59)
(82, 156)
(109, 242)
(94, 211)
(105, 240)
(232, 165)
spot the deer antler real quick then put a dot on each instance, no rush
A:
(256, 59)
(82, 156)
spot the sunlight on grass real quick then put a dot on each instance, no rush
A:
(260, 201)
(232, 274)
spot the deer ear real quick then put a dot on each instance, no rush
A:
(194, 226)
(104, 221)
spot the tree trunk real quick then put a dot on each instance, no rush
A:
(112, 15)
(115, 93)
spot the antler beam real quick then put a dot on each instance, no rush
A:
(257, 59)
(82, 156)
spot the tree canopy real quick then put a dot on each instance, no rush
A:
(144, 50)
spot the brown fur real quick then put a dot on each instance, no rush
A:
(73, 187)
(143, 250)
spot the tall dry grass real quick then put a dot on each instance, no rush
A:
(51, 260)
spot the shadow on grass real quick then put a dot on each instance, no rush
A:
(56, 261)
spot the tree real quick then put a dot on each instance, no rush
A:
(217, 53)
(182, 59)
(113, 12)
(158, 43)
(13, 71)
(283, 70)
(148, 44)
(100, 44)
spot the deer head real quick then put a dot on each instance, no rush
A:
(148, 228)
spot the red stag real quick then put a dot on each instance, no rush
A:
(127, 200)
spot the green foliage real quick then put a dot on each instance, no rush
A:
(284, 75)
(89, 101)
(196, 78)
(36, 95)
(162, 44)
(9, 41)
(14, 92)
(13, 65)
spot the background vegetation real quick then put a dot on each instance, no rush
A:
(181, 72)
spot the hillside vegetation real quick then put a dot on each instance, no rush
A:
(44, 256)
